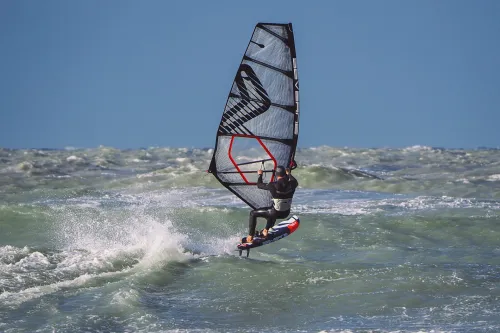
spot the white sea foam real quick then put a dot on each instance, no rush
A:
(92, 240)
(426, 202)
(21, 296)
(74, 159)
(344, 207)
(25, 166)
(127, 298)
(493, 178)
(417, 148)
(8, 253)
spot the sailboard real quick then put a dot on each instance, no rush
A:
(277, 232)
(259, 128)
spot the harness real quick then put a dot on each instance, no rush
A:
(282, 205)
(284, 202)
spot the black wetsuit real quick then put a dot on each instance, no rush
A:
(283, 188)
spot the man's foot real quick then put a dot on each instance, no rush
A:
(249, 239)
(264, 232)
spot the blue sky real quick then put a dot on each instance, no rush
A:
(132, 74)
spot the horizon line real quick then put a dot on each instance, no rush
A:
(70, 148)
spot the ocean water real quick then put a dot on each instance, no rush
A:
(108, 240)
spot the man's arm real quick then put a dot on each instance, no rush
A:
(260, 183)
(292, 179)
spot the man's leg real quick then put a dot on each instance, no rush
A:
(273, 215)
(252, 221)
(271, 218)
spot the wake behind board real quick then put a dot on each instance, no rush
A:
(279, 231)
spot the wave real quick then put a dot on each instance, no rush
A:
(144, 257)
(90, 250)
(100, 239)
(419, 169)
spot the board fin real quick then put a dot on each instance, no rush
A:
(241, 252)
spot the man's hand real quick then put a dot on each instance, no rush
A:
(259, 172)
(287, 171)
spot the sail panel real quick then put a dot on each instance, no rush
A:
(278, 86)
(267, 123)
(274, 52)
(276, 28)
(253, 198)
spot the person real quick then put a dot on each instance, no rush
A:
(282, 191)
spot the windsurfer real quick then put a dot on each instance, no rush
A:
(282, 191)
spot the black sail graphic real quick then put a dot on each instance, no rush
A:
(253, 101)
(262, 112)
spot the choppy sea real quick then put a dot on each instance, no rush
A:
(109, 240)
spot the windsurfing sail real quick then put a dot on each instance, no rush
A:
(260, 123)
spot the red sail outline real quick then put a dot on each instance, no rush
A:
(236, 164)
